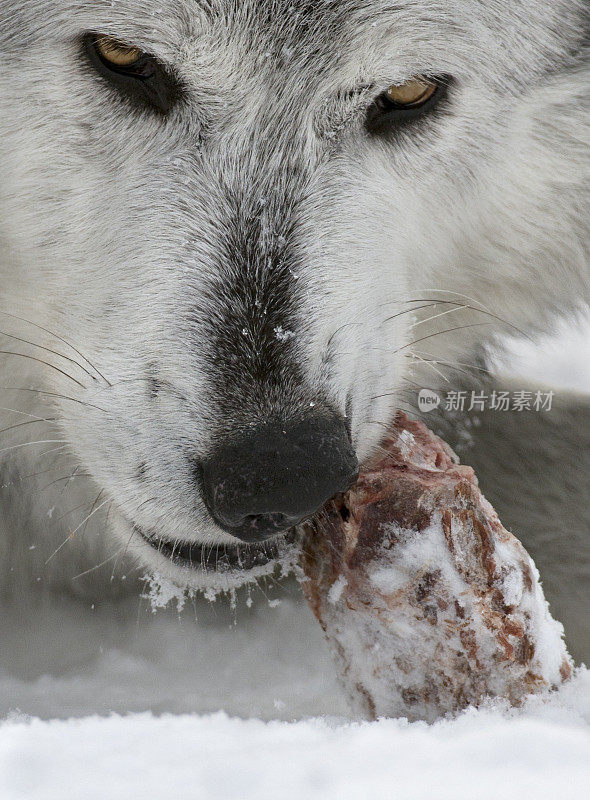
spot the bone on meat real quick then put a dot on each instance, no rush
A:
(429, 605)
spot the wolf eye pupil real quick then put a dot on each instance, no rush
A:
(412, 93)
(403, 102)
(117, 54)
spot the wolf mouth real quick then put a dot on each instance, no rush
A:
(219, 557)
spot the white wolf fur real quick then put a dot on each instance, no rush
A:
(113, 226)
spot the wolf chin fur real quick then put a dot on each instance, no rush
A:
(256, 250)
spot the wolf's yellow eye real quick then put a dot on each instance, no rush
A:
(138, 76)
(412, 93)
(116, 53)
(405, 102)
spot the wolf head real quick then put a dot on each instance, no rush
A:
(226, 250)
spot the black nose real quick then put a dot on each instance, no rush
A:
(277, 474)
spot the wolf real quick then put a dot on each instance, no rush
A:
(236, 234)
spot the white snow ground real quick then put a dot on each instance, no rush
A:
(283, 732)
(543, 752)
(116, 702)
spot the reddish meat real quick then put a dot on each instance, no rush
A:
(428, 603)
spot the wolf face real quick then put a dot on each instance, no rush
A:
(223, 220)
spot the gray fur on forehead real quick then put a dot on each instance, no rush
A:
(172, 22)
(525, 27)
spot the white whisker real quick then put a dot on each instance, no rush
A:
(73, 533)
(29, 444)
(431, 364)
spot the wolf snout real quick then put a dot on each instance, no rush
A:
(277, 474)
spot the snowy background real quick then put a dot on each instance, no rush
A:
(115, 701)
